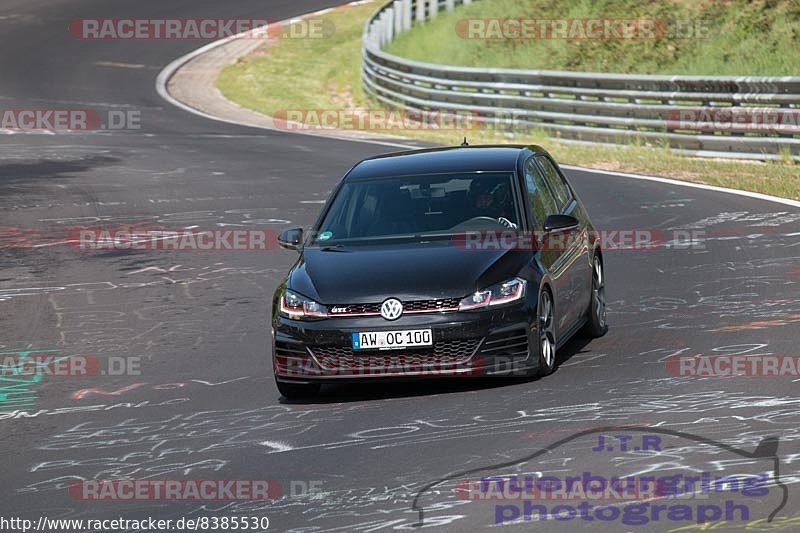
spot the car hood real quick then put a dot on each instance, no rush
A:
(370, 274)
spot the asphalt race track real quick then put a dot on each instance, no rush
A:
(205, 406)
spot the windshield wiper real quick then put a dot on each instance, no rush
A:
(434, 236)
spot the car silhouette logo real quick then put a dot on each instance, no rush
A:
(391, 309)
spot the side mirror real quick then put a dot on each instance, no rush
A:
(560, 223)
(291, 239)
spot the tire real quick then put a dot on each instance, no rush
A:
(596, 325)
(297, 390)
(546, 333)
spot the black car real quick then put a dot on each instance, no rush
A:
(451, 262)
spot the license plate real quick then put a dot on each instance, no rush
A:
(392, 340)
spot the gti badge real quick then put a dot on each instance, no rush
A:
(391, 309)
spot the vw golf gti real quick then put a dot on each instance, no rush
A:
(464, 261)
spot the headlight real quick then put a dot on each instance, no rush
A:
(299, 307)
(502, 293)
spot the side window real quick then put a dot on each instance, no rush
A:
(541, 201)
(556, 182)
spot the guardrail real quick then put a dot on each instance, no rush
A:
(718, 116)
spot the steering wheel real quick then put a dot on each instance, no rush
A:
(507, 223)
(483, 222)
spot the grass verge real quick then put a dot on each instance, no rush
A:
(323, 73)
(719, 37)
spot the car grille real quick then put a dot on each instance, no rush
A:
(413, 306)
(430, 305)
(442, 353)
(510, 343)
(290, 349)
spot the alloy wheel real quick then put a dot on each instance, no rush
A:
(547, 335)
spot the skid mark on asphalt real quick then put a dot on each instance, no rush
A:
(759, 324)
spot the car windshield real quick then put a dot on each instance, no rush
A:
(419, 207)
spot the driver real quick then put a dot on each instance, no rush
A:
(490, 199)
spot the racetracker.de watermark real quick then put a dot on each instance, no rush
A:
(24, 364)
(55, 120)
(737, 119)
(589, 486)
(617, 239)
(625, 29)
(376, 119)
(732, 366)
(215, 239)
(385, 364)
(175, 489)
(198, 28)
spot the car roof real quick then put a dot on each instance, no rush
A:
(442, 160)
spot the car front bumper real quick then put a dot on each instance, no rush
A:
(465, 344)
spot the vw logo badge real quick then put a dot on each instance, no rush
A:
(391, 309)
